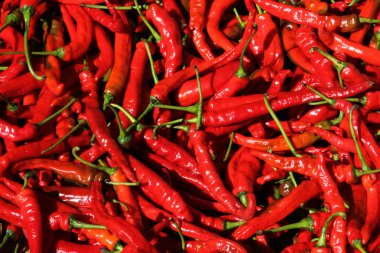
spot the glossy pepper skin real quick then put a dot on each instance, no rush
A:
(125, 231)
(31, 211)
(171, 38)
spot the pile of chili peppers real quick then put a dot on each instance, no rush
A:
(190, 126)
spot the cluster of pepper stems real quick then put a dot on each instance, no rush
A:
(190, 126)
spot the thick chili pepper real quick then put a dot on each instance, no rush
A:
(114, 23)
(78, 173)
(133, 101)
(60, 245)
(339, 142)
(11, 213)
(214, 17)
(306, 39)
(122, 229)
(295, 53)
(278, 210)
(16, 133)
(72, 195)
(196, 25)
(211, 177)
(31, 211)
(119, 73)
(171, 38)
(268, 54)
(301, 16)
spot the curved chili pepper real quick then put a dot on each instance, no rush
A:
(105, 52)
(114, 23)
(133, 101)
(196, 25)
(72, 172)
(306, 39)
(295, 53)
(31, 211)
(11, 213)
(16, 133)
(348, 47)
(73, 195)
(339, 142)
(211, 177)
(216, 245)
(301, 16)
(279, 210)
(171, 38)
(122, 229)
(162, 89)
(61, 245)
(268, 54)
(119, 73)
(212, 24)
(14, 39)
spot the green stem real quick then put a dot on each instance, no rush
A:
(199, 104)
(121, 203)
(151, 63)
(338, 65)
(122, 183)
(243, 198)
(167, 125)
(368, 20)
(12, 18)
(282, 130)
(135, 124)
(56, 113)
(259, 10)
(5, 240)
(28, 175)
(191, 109)
(306, 223)
(108, 170)
(74, 223)
(241, 73)
(183, 243)
(74, 129)
(27, 11)
(225, 158)
(12, 106)
(232, 224)
(359, 246)
(328, 100)
(337, 120)
(155, 34)
(2, 68)
(365, 167)
(322, 239)
(123, 137)
(241, 22)
(121, 8)
(125, 112)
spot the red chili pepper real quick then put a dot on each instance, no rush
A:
(212, 178)
(14, 39)
(295, 53)
(316, 6)
(119, 73)
(133, 101)
(105, 52)
(298, 15)
(11, 213)
(16, 133)
(266, 46)
(114, 23)
(216, 245)
(306, 39)
(196, 25)
(348, 47)
(61, 245)
(78, 173)
(279, 210)
(214, 17)
(171, 38)
(31, 211)
(125, 231)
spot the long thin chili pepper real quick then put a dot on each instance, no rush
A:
(196, 24)
(120, 70)
(279, 210)
(106, 51)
